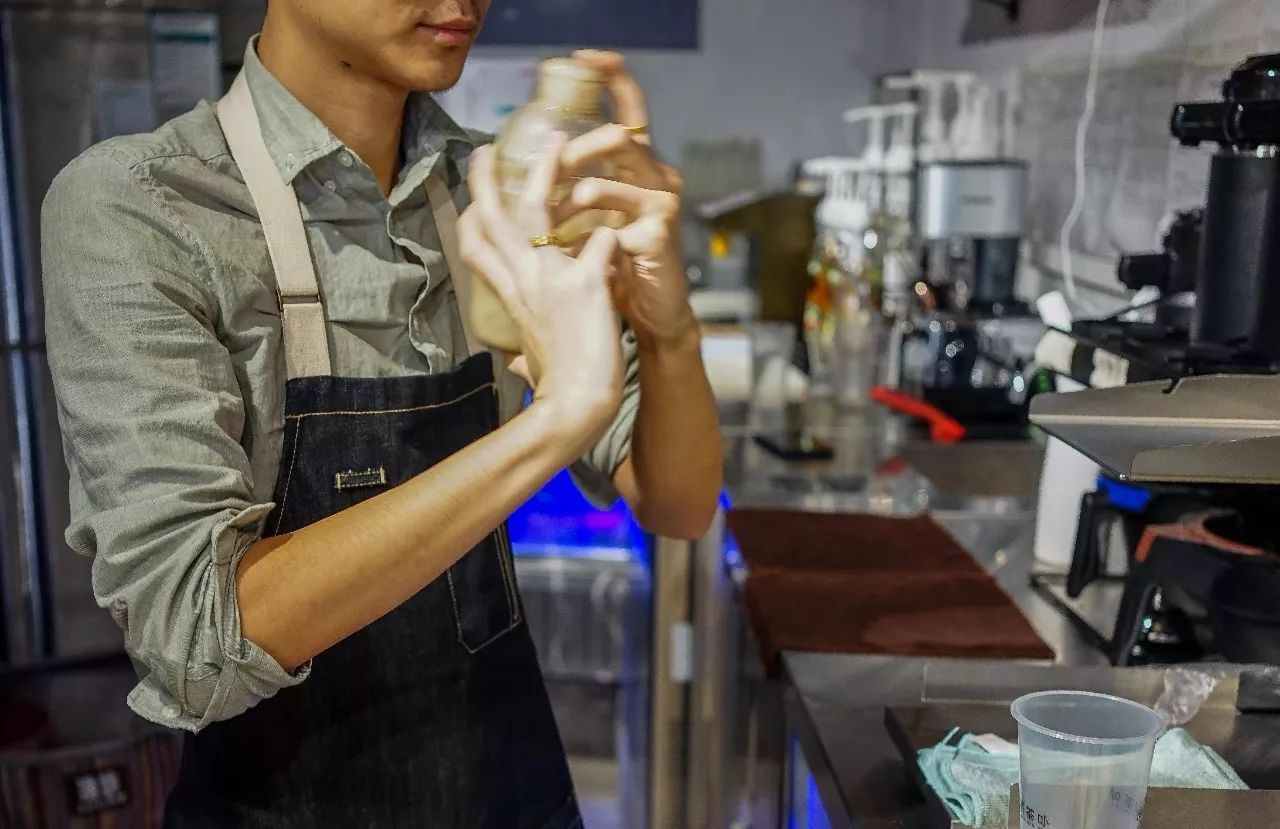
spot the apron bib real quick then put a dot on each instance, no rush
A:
(436, 714)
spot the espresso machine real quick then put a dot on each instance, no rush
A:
(968, 340)
(1183, 413)
(971, 221)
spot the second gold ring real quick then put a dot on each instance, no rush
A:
(549, 240)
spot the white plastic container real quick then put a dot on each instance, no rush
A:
(1084, 759)
(1066, 477)
(772, 346)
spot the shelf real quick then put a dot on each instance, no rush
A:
(1222, 429)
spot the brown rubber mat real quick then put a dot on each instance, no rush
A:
(846, 583)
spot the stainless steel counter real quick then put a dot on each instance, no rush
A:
(835, 704)
(731, 709)
(836, 709)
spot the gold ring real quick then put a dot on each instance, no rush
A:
(639, 129)
(550, 240)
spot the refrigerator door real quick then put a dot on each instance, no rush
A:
(14, 616)
(82, 74)
(19, 637)
(29, 603)
(70, 75)
(70, 70)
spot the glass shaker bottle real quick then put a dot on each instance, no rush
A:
(567, 100)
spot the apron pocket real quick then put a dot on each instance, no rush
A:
(482, 586)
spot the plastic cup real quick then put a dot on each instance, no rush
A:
(772, 346)
(1084, 759)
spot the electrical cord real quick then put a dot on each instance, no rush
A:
(1082, 134)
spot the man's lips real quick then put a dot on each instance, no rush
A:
(453, 32)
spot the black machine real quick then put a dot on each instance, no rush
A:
(1200, 574)
(1219, 272)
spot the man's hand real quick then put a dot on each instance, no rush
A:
(650, 288)
(569, 337)
(672, 478)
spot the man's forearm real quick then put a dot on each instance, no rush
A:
(303, 592)
(673, 477)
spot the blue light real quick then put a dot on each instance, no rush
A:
(1127, 497)
(559, 521)
(804, 809)
(816, 816)
(558, 518)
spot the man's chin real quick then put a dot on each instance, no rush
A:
(434, 74)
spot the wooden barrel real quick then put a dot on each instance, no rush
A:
(73, 757)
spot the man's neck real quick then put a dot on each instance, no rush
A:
(363, 112)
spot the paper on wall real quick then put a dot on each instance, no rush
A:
(489, 91)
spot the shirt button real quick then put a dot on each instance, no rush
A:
(331, 186)
(172, 712)
(290, 161)
(346, 160)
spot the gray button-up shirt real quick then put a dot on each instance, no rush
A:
(164, 343)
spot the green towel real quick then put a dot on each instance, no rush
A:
(973, 775)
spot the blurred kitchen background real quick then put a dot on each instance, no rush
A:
(652, 670)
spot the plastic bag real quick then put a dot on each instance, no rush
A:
(1185, 691)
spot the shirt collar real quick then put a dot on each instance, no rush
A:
(428, 130)
(296, 138)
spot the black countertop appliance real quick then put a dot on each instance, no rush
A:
(1199, 540)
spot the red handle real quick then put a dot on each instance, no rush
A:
(942, 427)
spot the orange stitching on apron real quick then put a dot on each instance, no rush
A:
(284, 496)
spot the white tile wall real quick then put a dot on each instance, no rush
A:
(1136, 173)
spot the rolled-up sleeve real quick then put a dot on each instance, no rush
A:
(152, 418)
(593, 474)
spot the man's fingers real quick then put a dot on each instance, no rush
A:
(597, 253)
(482, 180)
(538, 185)
(635, 202)
(614, 144)
(511, 241)
(647, 233)
(630, 107)
(480, 255)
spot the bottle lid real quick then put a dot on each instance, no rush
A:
(565, 83)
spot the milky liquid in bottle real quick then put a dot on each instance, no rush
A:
(567, 100)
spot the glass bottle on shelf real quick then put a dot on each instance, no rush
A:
(825, 277)
(855, 329)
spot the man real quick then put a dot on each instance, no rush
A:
(284, 445)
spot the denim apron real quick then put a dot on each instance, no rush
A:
(435, 715)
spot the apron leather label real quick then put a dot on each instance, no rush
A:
(359, 480)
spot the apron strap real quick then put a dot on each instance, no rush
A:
(305, 332)
(446, 215)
